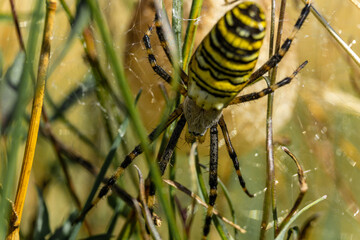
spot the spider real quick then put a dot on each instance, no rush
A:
(220, 68)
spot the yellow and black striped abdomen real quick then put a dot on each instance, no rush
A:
(223, 62)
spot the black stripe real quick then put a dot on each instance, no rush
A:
(200, 83)
(220, 68)
(238, 58)
(213, 65)
(238, 23)
(204, 68)
(304, 13)
(230, 47)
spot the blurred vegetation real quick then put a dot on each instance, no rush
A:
(92, 118)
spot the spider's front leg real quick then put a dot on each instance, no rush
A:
(163, 162)
(152, 60)
(278, 56)
(256, 95)
(129, 159)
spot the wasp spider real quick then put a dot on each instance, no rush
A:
(220, 68)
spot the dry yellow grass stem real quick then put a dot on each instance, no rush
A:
(34, 124)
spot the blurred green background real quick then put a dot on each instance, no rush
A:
(316, 117)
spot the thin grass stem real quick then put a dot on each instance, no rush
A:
(334, 34)
(270, 194)
(17, 26)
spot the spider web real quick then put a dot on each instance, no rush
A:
(317, 117)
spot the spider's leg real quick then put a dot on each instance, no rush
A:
(276, 58)
(161, 35)
(158, 69)
(212, 178)
(165, 158)
(266, 91)
(130, 157)
(233, 155)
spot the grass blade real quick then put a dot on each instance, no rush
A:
(190, 32)
(138, 127)
(283, 232)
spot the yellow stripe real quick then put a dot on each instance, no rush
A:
(119, 171)
(259, 36)
(229, 18)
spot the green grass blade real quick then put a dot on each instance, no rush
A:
(42, 224)
(101, 174)
(177, 26)
(191, 31)
(1, 63)
(283, 232)
(138, 127)
(230, 204)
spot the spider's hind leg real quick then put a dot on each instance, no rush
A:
(214, 141)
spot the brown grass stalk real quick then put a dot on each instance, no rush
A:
(15, 219)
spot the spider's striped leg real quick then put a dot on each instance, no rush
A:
(130, 157)
(158, 69)
(165, 158)
(212, 178)
(233, 155)
(266, 91)
(276, 58)
(161, 35)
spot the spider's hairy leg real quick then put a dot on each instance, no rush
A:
(165, 158)
(276, 58)
(161, 35)
(130, 157)
(233, 155)
(266, 91)
(212, 178)
(158, 69)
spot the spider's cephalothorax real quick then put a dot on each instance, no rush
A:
(222, 64)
